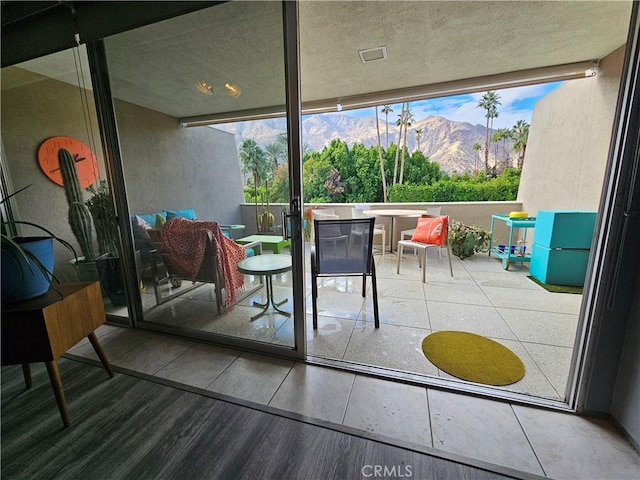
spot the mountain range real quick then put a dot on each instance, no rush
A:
(448, 142)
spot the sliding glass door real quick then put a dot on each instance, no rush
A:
(206, 203)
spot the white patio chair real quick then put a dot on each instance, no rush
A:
(422, 248)
(407, 234)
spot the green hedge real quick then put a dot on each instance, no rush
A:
(501, 188)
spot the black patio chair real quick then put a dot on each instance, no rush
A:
(343, 248)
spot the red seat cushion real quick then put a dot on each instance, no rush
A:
(431, 230)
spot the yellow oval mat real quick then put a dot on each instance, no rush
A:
(473, 358)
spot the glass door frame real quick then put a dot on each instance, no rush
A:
(105, 109)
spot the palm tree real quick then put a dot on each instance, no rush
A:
(384, 180)
(489, 102)
(493, 114)
(520, 134)
(408, 119)
(418, 137)
(283, 143)
(253, 161)
(275, 152)
(476, 148)
(386, 109)
(399, 124)
(502, 135)
(495, 139)
(505, 135)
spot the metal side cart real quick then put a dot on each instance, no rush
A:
(511, 252)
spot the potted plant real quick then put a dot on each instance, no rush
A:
(266, 218)
(466, 240)
(27, 262)
(103, 213)
(105, 266)
(107, 261)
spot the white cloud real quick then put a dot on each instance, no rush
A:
(516, 104)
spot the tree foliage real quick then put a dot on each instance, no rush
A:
(520, 133)
(254, 161)
(342, 174)
(359, 173)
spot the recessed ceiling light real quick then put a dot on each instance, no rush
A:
(233, 90)
(204, 87)
(372, 54)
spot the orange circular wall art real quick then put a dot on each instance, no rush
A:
(86, 161)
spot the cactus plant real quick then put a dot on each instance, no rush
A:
(79, 215)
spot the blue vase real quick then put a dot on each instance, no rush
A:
(21, 281)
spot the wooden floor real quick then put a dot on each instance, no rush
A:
(134, 428)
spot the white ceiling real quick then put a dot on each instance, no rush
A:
(428, 42)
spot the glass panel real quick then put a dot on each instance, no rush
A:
(186, 186)
(47, 105)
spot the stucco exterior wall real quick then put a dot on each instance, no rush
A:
(569, 142)
(172, 168)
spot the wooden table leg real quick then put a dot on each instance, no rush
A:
(58, 391)
(100, 352)
(26, 370)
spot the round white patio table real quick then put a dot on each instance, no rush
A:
(267, 265)
(393, 213)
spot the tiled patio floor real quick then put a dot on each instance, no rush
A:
(482, 298)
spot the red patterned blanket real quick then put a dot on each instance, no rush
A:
(185, 242)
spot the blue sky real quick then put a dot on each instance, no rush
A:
(516, 104)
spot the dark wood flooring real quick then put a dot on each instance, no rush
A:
(133, 428)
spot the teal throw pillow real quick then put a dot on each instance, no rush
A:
(188, 213)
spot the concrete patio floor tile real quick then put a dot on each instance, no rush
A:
(389, 346)
(555, 363)
(482, 320)
(538, 300)
(541, 327)
(467, 294)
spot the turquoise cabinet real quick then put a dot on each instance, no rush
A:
(565, 228)
(559, 266)
(560, 251)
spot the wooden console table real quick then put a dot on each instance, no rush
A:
(44, 328)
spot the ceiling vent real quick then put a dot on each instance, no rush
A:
(372, 54)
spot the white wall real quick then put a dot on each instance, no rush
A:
(569, 142)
